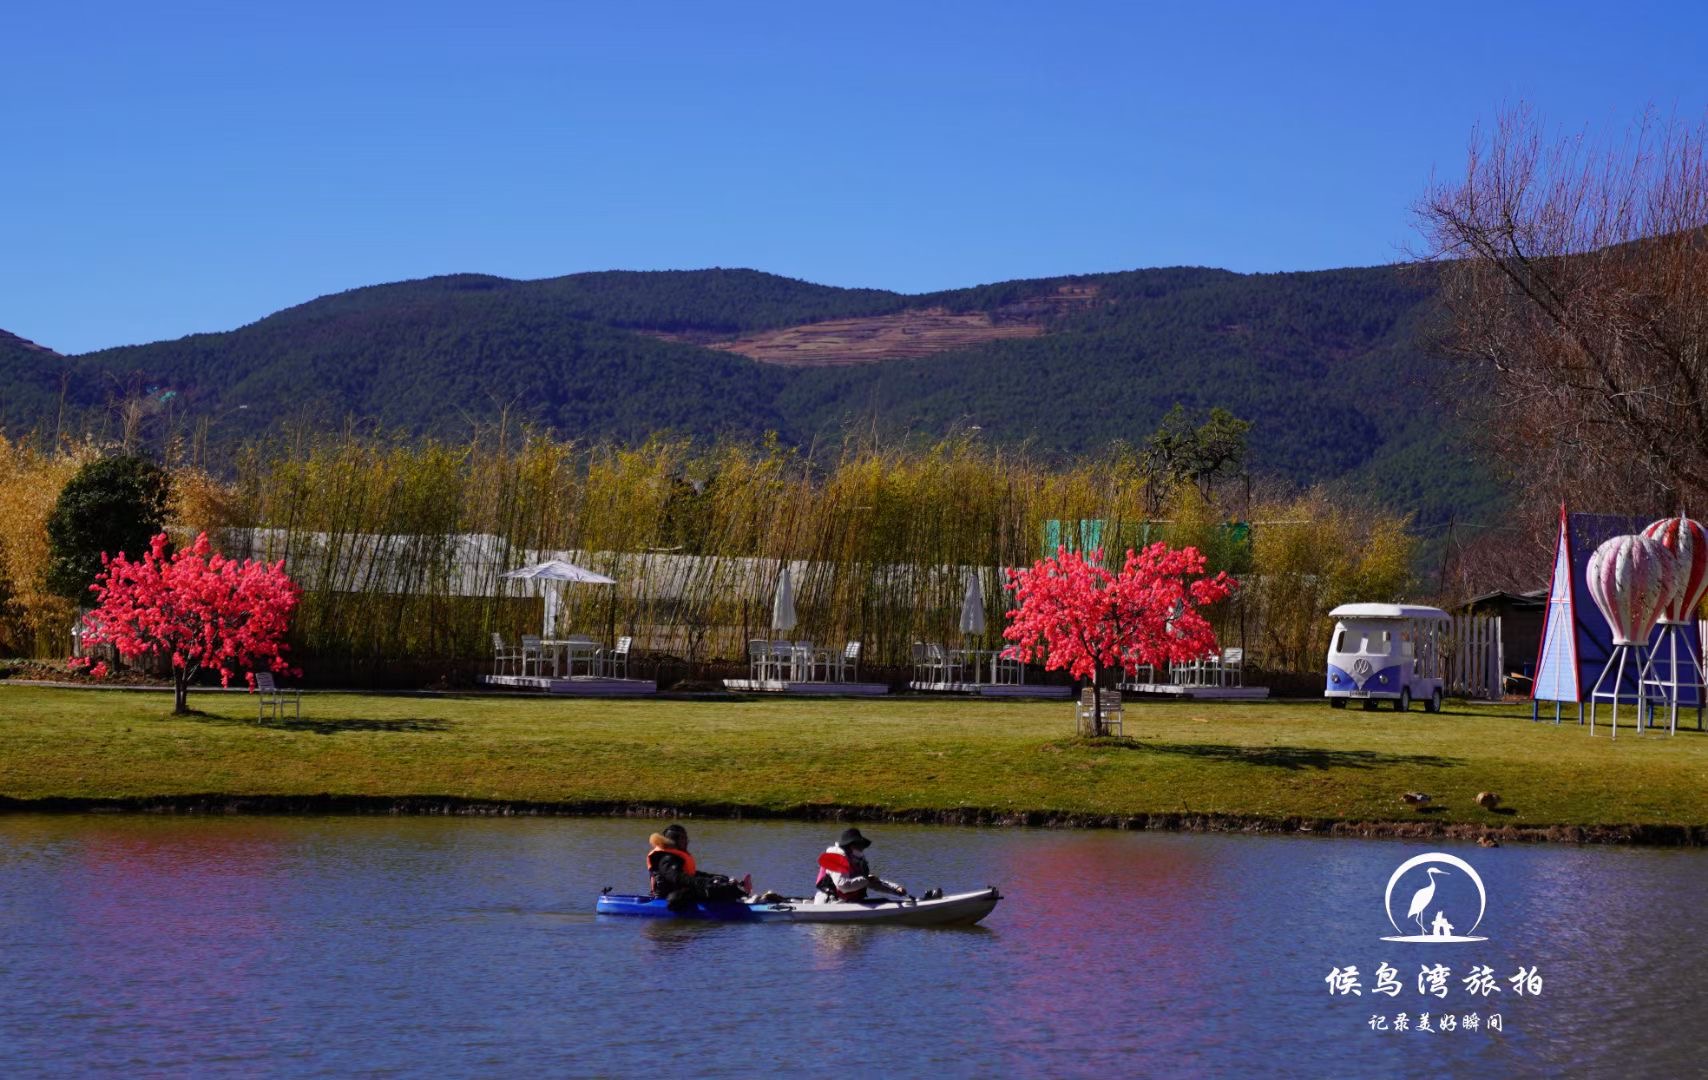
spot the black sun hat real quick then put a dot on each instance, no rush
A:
(851, 838)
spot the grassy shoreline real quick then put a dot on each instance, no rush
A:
(1246, 767)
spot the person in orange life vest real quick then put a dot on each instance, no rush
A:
(844, 874)
(675, 877)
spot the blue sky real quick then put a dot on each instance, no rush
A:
(171, 168)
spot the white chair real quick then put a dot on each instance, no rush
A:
(758, 659)
(1086, 712)
(617, 659)
(783, 660)
(948, 667)
(533, 652)
(848, 664)
(1233, 667)
(272, 696)
(921, 663)
(503, 655)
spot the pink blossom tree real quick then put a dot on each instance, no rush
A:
(198, 608)
(1074, 614)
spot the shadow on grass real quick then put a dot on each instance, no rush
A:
(1280, 757)
(337, 727)
(326, 725)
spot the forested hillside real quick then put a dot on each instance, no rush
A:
(1328, 366)
(30, 384)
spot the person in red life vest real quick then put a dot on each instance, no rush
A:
(676, 878)
(844, 874)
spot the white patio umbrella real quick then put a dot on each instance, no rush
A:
(554, 573)
(972, 608)
(783, 607)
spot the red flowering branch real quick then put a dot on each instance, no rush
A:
(1075, 615)
(202, 610)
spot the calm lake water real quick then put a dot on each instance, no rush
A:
(452, 947)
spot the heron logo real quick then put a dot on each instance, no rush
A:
(1439, 888)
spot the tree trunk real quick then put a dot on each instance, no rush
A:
(1096, 709)
(180, 694)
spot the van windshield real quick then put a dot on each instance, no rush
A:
(1350, 641)
(1381, 643)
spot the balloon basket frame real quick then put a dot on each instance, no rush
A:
(1675, 644)
(1625, 655)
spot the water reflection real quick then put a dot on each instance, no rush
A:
(675, 935)
(332, 946)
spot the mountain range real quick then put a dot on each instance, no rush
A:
(1331, 366)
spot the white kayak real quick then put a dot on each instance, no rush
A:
(958, 909)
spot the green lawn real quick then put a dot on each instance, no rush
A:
(1269, 760)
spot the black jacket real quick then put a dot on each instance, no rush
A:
(669, 873)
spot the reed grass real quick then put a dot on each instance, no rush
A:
(400, 545)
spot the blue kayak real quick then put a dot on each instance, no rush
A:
(961, 909)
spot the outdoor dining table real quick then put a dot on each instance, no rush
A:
(572, 649)
(1002, 671)
(799, 659)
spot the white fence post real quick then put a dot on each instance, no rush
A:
(1479, 659)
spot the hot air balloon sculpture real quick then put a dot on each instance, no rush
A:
(1688, 542)
(1632, 580)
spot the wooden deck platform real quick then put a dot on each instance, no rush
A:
(990, 690)
(1199, 693)
(577, 686)
(821, 689)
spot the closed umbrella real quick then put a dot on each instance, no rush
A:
(783, 607)
(972, 608)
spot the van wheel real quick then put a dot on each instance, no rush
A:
(1404, 702)
(1337, 703)
(1434, 703)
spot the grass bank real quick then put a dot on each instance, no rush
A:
(1269, 765)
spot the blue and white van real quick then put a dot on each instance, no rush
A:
(1386, 652)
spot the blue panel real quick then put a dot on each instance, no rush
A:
(1594, 637)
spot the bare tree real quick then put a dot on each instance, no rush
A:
(1575, 276)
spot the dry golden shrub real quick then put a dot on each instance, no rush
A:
(33, 621)
(202, 503)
